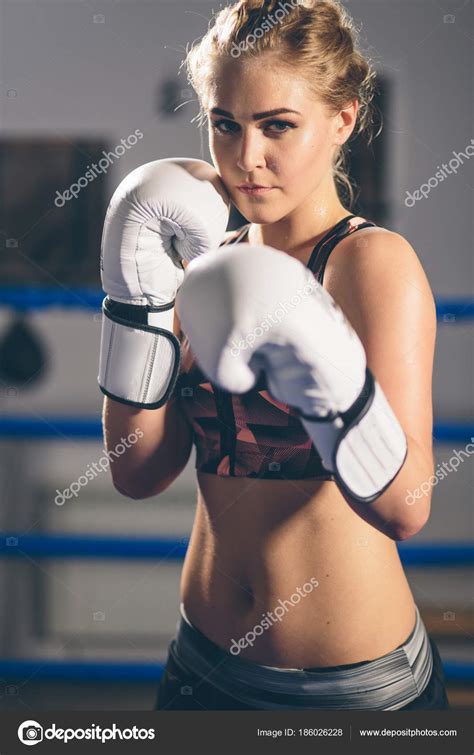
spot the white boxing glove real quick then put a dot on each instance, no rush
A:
(248, 309)
(163, 212)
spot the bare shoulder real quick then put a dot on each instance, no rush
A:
(378, 280)
(373, 263)
(376, 247)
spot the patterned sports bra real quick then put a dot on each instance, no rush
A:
(252, 434)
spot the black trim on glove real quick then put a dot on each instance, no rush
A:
(355, 412)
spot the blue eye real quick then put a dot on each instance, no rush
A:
(219, 124)
(225, 126)
(285, 124)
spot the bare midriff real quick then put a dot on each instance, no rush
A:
(255, 542)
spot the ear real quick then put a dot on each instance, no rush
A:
(344, 122)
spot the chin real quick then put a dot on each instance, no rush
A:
(259, 215)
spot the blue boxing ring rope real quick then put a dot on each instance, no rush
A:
(448, 309)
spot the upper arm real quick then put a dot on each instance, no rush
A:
(377, 279)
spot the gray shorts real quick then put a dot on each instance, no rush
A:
(201, 675)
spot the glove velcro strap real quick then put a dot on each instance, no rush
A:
(368, 445)
(139, 363)
(372, 448)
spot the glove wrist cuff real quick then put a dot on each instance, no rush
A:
(365, 447)
(139, 362)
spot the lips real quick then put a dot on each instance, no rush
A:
(250, 189)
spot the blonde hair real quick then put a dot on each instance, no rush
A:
(316, 37)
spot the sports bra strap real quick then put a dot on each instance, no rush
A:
(324, 247)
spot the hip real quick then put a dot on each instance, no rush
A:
(200, 675)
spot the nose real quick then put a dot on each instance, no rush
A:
(251, 152)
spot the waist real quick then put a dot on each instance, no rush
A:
(252, 553)
(386, 683)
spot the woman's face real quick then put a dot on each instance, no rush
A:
(291, 152)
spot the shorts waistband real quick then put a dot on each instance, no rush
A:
(386, 683)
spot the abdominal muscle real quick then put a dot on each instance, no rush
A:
(258, 543)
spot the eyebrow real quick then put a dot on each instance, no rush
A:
(255, 116)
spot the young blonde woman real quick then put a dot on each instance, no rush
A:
(293, 594)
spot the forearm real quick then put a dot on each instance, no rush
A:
(395, 512)
(157, 446)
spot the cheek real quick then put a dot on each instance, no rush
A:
(308, 150)
(297, 173)
(304, 165)
(303, 149)
(222, 155)
(212, 146)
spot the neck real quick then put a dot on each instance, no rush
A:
(299, 232)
